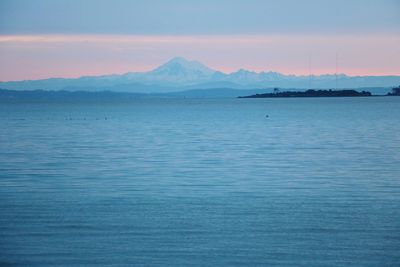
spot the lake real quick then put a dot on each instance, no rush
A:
(201, 182)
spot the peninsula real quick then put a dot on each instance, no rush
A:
(311, 93)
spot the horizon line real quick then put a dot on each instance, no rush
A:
(194, 60)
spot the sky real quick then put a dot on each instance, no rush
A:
(71, 38)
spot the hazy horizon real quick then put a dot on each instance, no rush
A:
(194, 60)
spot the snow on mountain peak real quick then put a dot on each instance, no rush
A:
(179, 66)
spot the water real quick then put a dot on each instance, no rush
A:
(201, 182)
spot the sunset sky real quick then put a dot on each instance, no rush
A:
(61, 38)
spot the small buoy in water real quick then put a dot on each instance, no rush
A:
(266, 116)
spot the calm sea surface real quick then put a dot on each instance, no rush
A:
(201, 182)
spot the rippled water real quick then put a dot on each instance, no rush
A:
(201, 182)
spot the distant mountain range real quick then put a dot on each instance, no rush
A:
(179, 75)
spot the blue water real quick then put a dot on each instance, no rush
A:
(201, 182)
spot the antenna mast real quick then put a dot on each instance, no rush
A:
(309, 71)
(336, 71)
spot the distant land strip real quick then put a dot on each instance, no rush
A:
(313, 93)
(63, 95)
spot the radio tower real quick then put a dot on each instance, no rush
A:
(309, 71)
(336, 71)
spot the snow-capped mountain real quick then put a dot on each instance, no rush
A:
(181, 74)
(180, 69)
(176, 72)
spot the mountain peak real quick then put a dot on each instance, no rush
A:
(180, 60)
(180, 65)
